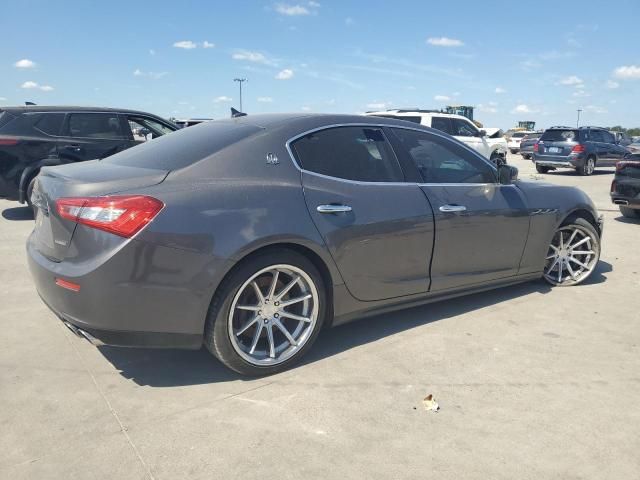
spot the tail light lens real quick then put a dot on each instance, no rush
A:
(578, 149)
(123, 215)
(535, 147)
(8, 141)
(627, 163)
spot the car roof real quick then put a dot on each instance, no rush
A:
(69, 108)
(415, 113)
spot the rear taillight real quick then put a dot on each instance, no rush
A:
(578, 149)
(8, 141)
(535, 147)
(627, 163)
(123, 215)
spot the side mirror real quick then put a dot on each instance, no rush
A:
(507, 174)
(482, 133)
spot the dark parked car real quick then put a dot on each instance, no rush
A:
(625, 188)
(251, 234)
(581, 149)
(527, 145)
(33, 137)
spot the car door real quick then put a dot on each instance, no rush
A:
(92, 135)
(466, 132)
(377, 227)
(600, 147)
(615, 150)
(481, 226)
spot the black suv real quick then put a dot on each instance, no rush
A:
(581, 148)
(32, 137)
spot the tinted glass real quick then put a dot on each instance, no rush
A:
(405, 118)
(442, 161)
(597, 136)
(184, 147)
(462, 128)
(50, 123)
(558, 135)
(519, 135)
(608, 137)
(95, 125)
(441, 123)
(5, 117)
(352, 153)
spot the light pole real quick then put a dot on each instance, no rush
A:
(240, 82)
(578, 121)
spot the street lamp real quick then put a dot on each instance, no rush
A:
(578, 121)
(240, 82)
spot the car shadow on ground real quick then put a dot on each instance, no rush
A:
(569, 172)
(623, 219)
(18, 213)
(168, 368)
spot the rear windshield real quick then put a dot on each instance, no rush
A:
(518, 135)
(558, 135)
(184, 147)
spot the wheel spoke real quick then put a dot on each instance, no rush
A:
(570, 270)
(272, 347)
(250, 308)
(256, 337)
(555, 249)
(258, 292)
(583, 252)
(573, 235)
(560, 271)
(561, 241)
(295, 300)
(246, 327)
(549, 257)
(552, 265)
(584, 240)
(274, 282)
(285, 332)
(289, 286)
(293, 316)
(578, 262)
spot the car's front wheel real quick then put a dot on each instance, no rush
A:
(629, 212)
(267, 313)
(573, 253)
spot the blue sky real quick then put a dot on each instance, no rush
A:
(512, 60)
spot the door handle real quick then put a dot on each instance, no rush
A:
(75, 147)
(452, 208)
(333, 208)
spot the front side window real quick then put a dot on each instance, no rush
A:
(608, 137)
(462, 128)
(144, 128)
(597, 136)
(351, 153)
(441, 123)
(441, 161)
(95, 125)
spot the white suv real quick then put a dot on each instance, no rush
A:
(495, 149)
(515, 138)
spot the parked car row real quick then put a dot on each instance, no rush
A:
(33, 137)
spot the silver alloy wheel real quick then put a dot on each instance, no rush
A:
(273, 315)
(572, 256)
(591, 165)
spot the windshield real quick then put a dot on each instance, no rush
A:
(559, 135)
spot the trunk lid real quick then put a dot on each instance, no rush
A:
(558, 142)
(53, 234)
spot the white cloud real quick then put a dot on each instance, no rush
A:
(530, 65)
(293, 10)
(155, 75)
(222, 99)
(255, 57)
(313, 4)
(441, 98)
(612, 84)
(285, 74)
(379, 105)
(627, 72)
(31, 85)
(500, 90)
(3, 99)
(581, 94)
(306, 109)
(152, 51)
(25, 63)
(137, 72)
(487, 108)
(185, 44)
(348, 21)
(595, 109)
(522, 108)
(571, 81)
(207, 44)
(265, 99)
(445, 42)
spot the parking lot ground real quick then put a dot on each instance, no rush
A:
(533, 382)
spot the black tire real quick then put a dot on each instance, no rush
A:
(30, 190)
(587, 167)
(216, 336)
(542, 169)
(629, 212)
(596, 247)
(514, 151)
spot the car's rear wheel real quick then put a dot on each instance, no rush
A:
(573, 253)
(629, 212)
(542, 169)
(588, 167)
(29, 191)
(267, 313)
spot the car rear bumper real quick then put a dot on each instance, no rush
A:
(145, 295)
(556, 161)
(623, 200)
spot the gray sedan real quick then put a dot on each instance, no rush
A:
(250, 235)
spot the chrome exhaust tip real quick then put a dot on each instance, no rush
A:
(621, 202)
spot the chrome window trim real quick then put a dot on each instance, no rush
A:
(383, 125)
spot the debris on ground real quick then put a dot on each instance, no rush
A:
(430, 403)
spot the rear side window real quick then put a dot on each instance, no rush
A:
(50, 123)
(442, 161)
(184, 147)
(558, 135)
(442, 123)
(351, 153)
(96, 125)
(5, 117)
